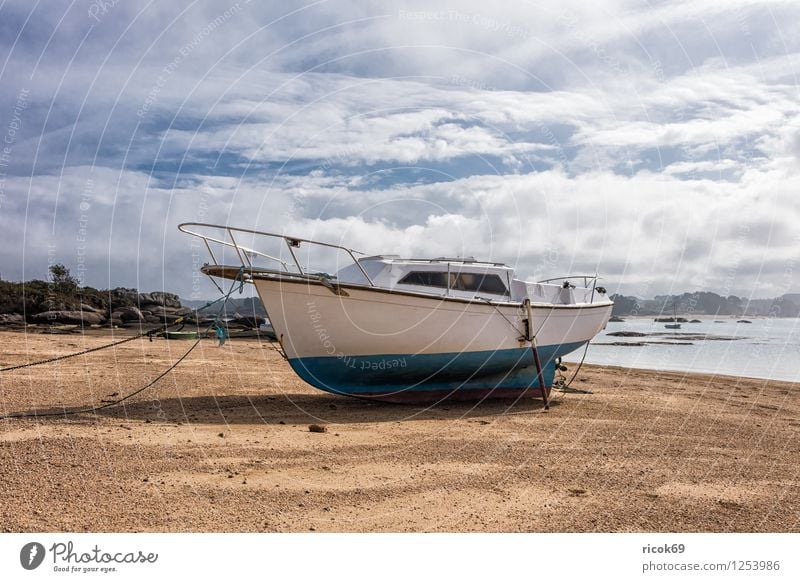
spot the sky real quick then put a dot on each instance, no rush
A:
(654, 143)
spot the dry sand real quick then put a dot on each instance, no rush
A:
(222, 444)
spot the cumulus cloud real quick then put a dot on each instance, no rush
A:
(654, 143)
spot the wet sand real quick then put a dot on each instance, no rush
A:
(222, 444)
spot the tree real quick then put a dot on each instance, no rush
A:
(61, 278)
(624, 305)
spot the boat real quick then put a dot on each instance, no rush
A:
(181, 335)
(266, 330)
(676, 324)
(395, 329)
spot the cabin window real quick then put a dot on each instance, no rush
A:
(426, 279)
(477, 282)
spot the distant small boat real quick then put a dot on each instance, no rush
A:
(181, 335)
(267, 330)
(675, 325)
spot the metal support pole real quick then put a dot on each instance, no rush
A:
(539, 374)
(536, 360)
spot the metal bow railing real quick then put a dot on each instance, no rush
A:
(245, 254)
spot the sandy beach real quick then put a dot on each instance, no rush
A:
(223, 444)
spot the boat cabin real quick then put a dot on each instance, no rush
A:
(459, 277)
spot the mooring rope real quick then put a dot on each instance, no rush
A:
(179, 321)
(497, 309)
(565, 387)
(96, 349)
(91, 409)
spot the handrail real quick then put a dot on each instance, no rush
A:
(232, 244)
(292, 242)
(586, 279)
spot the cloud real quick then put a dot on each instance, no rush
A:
(657, 144)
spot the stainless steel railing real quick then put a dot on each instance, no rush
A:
(227, 239)
(586, 279)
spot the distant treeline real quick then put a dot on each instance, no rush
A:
(707, 303)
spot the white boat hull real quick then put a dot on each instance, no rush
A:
(389, 345)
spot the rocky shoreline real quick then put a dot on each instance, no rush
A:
(116, 308)
(121, 307)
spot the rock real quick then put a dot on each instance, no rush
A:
(316, 428)
(69, 317)
(122, 296)
(744, 321)
(627, 334)
(89, 308)
(11, 318)
(151, 319)
(249, 322)
(162, 312)
(171, 318)
(128, 314)
(616, 319)
(160, 298)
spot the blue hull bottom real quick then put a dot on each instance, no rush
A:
(509, 373)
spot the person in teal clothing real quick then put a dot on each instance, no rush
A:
(222, 334)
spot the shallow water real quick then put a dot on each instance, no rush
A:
(766, 348)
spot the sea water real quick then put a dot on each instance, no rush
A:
(766, 348)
